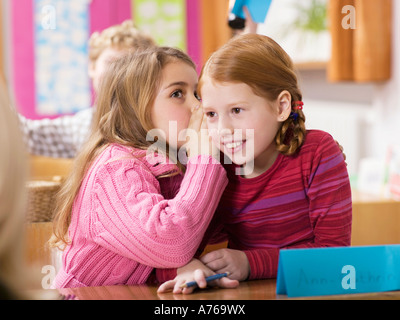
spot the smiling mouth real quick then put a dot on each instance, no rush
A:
(233, 146)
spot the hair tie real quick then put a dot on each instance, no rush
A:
(294, 116)
(297, 105)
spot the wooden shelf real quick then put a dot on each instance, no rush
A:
(311, 65)
(42, 167)
(376, 220)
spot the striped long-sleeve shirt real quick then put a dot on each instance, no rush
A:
(301, 201)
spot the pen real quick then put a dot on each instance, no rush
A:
(208, 279)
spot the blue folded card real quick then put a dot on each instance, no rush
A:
(258, 9)
(338, 270)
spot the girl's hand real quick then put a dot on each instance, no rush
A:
(341, 149)
(228, 260)
(200, 141)
(194, 271)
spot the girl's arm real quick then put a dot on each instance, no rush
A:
(132, 218)
(214, 235)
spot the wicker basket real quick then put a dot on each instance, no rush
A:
(41, 199)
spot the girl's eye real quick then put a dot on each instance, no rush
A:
(236, 110)
(211, 114)
(177, 94)
(197, 96)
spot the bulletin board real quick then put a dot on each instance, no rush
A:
(49, 51)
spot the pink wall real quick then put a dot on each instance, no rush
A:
(194, 31)
(104, 13)
(23, 56)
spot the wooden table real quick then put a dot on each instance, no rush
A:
(248, 290)
(376, 221)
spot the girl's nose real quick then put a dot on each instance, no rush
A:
(224, 127)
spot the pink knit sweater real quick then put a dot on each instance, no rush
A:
(125, 221)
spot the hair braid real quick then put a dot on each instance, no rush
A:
(291, 135)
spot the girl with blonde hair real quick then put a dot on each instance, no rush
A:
(125, 211)
(295, 192)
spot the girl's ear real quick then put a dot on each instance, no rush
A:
(284, 102)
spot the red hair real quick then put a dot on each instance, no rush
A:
(263, 65)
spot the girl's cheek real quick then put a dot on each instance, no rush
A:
(184, 119)
(216, 139)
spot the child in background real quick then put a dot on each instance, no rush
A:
(295, 192)
(124, 211)
(63, 136)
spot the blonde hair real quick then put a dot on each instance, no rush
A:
(263, 65)
(123, 116)
(121, 36)
(13, 173)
